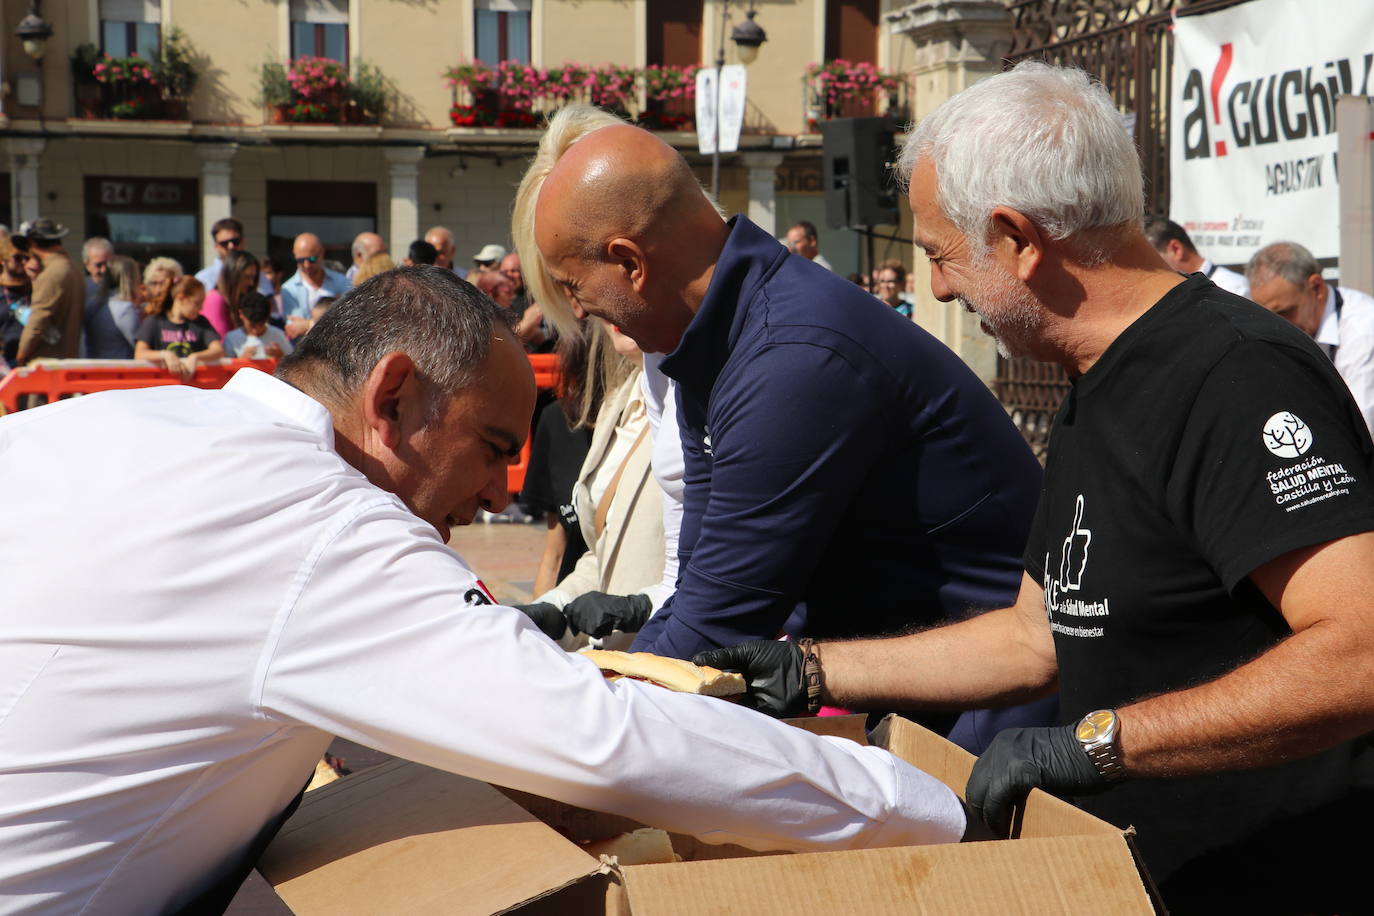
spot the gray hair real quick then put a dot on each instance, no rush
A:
(1045, 141)
(94, 242)
(443, 323)
(1287, 260)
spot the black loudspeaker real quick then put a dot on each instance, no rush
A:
(859, 189)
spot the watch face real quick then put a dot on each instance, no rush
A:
(1095, 725)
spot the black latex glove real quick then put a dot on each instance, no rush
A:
(1021, 759)
(547, 617)
(597, 613)
(773, 670)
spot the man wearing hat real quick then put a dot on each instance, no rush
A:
(487, 258)
(54, 326)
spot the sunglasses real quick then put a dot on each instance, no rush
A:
(232, 242)
(314, 258)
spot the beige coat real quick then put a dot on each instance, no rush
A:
(628, 556)
(58, 301)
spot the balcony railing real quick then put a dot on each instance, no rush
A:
(847, 89)
(319, 90)
(135, 87)
(127, 88)
(516, 94)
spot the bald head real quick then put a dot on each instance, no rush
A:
(309, 254)
(442, 240)
(618, 182)
(365, 245)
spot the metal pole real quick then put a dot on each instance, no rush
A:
(720, 65)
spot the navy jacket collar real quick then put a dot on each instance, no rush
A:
(749, 258)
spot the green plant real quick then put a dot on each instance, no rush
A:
(474, 76)
(175, 71)
(84, 59)
(273, 88)
(134, 108)
(367, 89)
(311, 111)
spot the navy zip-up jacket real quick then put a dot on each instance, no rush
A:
(846, 473)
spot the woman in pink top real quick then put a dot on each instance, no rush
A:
(238, 276)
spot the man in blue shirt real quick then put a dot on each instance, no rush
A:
(311, 282)
(846, 473)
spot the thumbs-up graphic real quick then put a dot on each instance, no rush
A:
(1073, 556)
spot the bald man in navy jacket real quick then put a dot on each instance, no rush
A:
(846, 473)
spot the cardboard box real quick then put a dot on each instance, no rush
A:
(403, 838)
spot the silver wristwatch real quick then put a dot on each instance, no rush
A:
(1097, 734)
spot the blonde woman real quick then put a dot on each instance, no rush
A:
(378, 263)
(158, 278)
(615, 504)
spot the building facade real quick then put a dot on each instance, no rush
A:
(91, 144)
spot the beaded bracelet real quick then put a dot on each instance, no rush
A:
(811, 674)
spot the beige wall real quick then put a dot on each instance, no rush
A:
(475, 202)
(413, 43)
(775, 79)
(230, 40)
(589, 32)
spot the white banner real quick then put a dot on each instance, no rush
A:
(706, 111)
(1253, 122)
(732, 85)
(731, 113)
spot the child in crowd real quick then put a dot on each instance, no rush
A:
(257, 339)
(277, 271)
(176, 334)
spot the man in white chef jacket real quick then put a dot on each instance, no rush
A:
(243, 573)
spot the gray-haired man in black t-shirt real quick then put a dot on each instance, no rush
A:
(1200, 574)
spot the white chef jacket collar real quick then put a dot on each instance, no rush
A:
(303, 410)
(1329, 331)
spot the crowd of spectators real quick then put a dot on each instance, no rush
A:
(238, 305)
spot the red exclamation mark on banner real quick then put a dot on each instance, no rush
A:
(1218, 77)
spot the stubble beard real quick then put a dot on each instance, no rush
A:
(627, 314)
(1014, 317)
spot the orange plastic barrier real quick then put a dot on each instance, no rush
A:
(57, 378)
(545, 366)
(546, 377)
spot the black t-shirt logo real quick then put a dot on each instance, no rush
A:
(1286, 435)
(1073, 557)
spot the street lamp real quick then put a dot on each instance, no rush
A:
(747, 36)
(34, 32)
